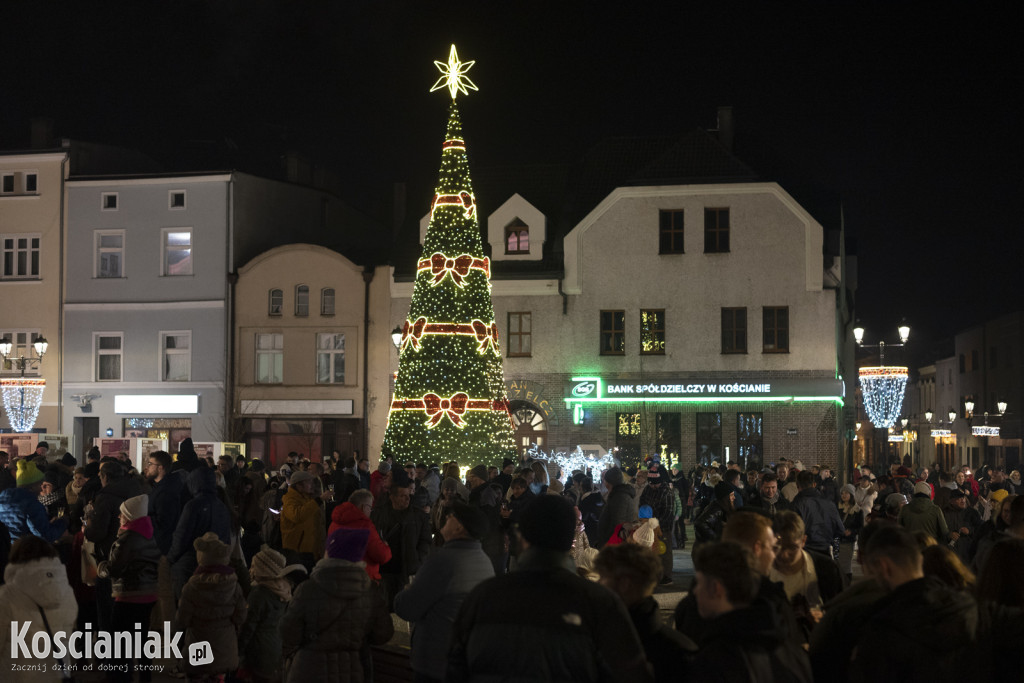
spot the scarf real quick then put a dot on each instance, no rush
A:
(50, 498)
(280, 586)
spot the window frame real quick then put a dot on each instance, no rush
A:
(717, 230)
(171, 194)
(517, 227)
(644, 312)
(515, 349)
(7, 368)
(774, 328)
(98, 251)
(280, 302)
(611, 331)
(187, 351)
(324, 299)
(332, 353)
(300, 290)
(3, 183)
(165, 248)
(15, 250)
(274, 351)
(24, 182)
(103, 201)
(99, 353)
(671, 230)
(734, 349)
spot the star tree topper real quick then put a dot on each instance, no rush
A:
(453, 75)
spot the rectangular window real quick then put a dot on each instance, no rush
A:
(627, 437)
(8, 183)
(276, 304)
(109, 355)
(716, 231)
(775, 325)
(734, 330)
(176, 199)
(330, 358)
(670, 232)
(613, 333)
(108, 201)
(520, 334)
(302, 301)
(269, 358)
(109, 253)
(669, 437)
(31, 183)
(652, 332)
(177, 251)
(517, 237)
(176, 351)
(21, 341)
(327, 301)
(20, 256)
(709, 438)
(749, 440)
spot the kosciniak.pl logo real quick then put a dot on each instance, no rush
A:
(88, 644)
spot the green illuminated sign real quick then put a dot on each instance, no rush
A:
(631, 389)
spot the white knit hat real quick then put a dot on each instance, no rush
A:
(136, 507)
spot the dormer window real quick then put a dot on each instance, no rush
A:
(517, 238)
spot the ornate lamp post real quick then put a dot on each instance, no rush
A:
(883, 386)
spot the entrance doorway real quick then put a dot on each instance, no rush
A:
(85, 430)
(530, 425)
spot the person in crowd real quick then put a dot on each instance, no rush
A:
(892, 504)
(810, 579)
(74, 487)
(333, 613)
(853, 521)
(380, 480)
(659, 495)
(751, 485)
(432, 601)
(406, 530)
(590, 506)
(7, 478)
(302, 520)
(363, 472)
(620, 506)
(574, 629)
(35, 592)
(709, 525)
(632, 572)
(1000, 594)
(51, 495)
(918, 616)
(922, 514)
(767, 497)
(245, 506)
(827, 485)
(259, 640)
(132, 567)
(257, 474)
(742, 641)
(439, 512)
(346, 479)
(430, 479)
(355, 514)
(203, 514)
(20, 510)
(732, 478)
(963, 523)
(188, 459)
(226, 466)
(942, 562)
(165, 489)
(487, 496)
(212, 608)
(504, 479)
(820, 516)
(945, 488)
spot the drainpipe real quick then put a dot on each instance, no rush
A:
(565, 297)
(367, 279)
(229, 333)
(60, 305)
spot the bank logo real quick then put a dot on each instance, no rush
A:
(200, 653)
(583, 389)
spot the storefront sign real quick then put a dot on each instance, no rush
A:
(731, 389)
(525, 390)
(166, 404)
(984, 430)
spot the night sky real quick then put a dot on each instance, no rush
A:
(905, 114)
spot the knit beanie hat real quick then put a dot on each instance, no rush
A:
(646, 512)
(480, 472)
(348, 544)
(613, 476)
(549, 522)
(472, 519)
(28, 473)
(50, 477)
(270, 564)
(851, 489)
(92, 470)
(922, 488)
(644, 535)
(136, 507)
(300, 476)
(994, 497)
(68, 459)
(210, 550)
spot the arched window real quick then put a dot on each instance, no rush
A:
(302, 300)
(327, 301)
(276, 302)
(517, 238)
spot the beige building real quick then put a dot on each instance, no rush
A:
(312, 340)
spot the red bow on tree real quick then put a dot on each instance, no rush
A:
(412, 332)
(487, 335)
(437, 407)
(457, 267)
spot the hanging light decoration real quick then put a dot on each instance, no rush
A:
(883, 389)
(22, 398)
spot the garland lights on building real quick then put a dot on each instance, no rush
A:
(450, 400)
(22, 398)
(883, 388)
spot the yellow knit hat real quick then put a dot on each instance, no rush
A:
(28, 473)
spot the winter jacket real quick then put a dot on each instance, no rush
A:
(768, 507)
(302, 524)
(920, 632)
(668, 650)
(591, 505)
(834, 637)
(132, 563)
(487, 497)
(711, 523)
(571, 630)
(407, 533)
(212, 608)
(106, 509)
(165, 508)
(432, 601)
(377, 551)
(747, 645)
(23, 514)
(619, 508)
(29, 586)
(205, 512)
(259, 642)
(689, 622)
(662, 502)
(957, 519)
(345, 484)
(865, 498)
(821, 519)
(853, 521)
(328, 619)
(924, 515)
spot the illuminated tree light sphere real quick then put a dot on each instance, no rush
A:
(883, 389)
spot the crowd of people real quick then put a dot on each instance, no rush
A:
(518, 572)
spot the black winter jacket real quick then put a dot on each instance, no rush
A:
(106, 510)
(669, 651)
(621, 507)
(710, 524)
(133, 562)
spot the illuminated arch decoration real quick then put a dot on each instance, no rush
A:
(883, 388)
(440, 266)
(22, 398)
(486, 335)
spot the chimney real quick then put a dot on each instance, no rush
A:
(42, 133)
(725, 127)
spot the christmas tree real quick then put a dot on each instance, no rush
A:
(450, 401)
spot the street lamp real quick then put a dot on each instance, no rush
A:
(396, 337)
(22, 395)
(883, 386)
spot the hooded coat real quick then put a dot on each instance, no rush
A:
(924, 515)
(205, 512)
(212, 608)
(22, 513)
(327, 621)
(29, 586)
(621, 507)
(302, 523)
(377, 551)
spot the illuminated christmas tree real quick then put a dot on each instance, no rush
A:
(450, 401)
